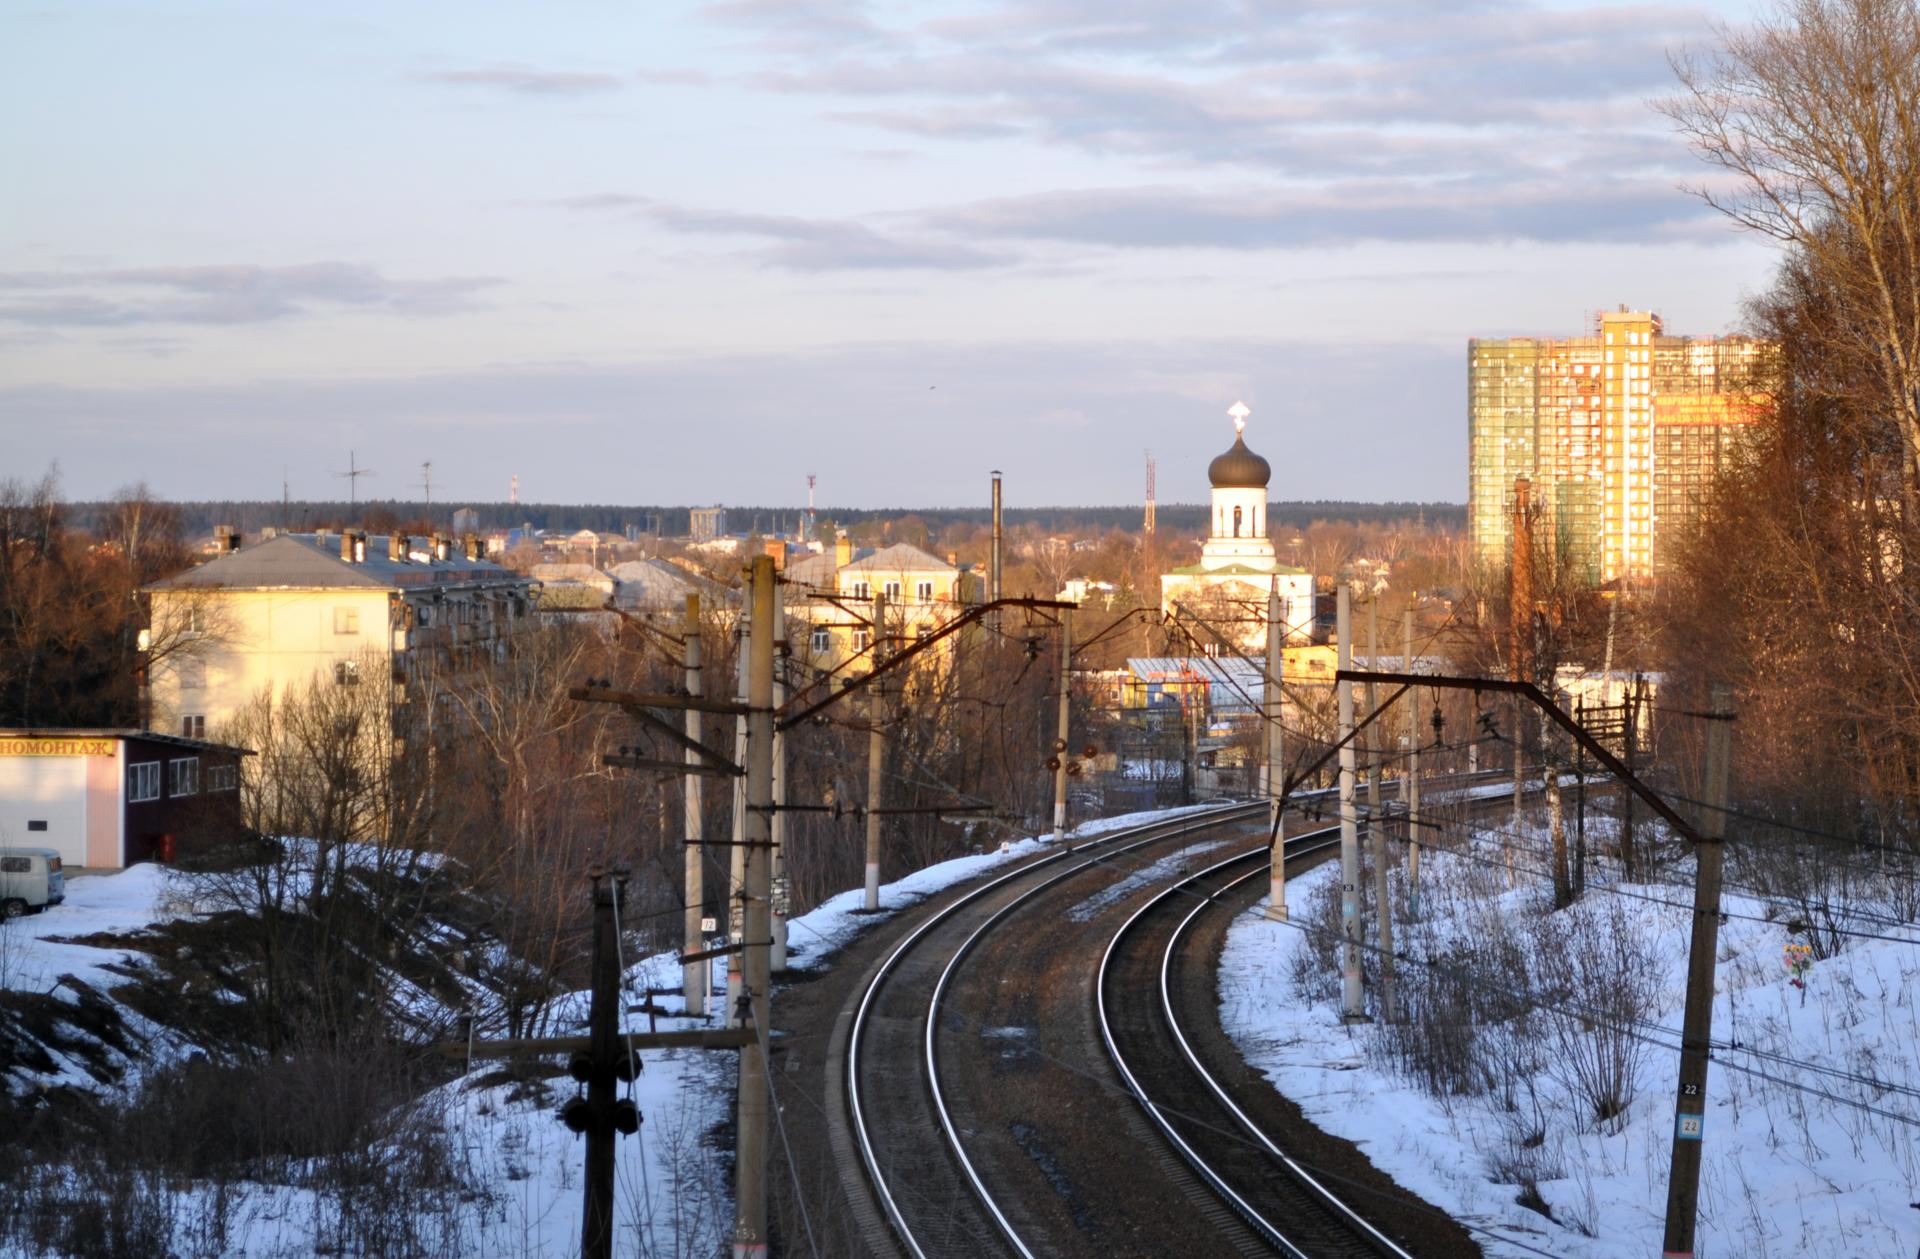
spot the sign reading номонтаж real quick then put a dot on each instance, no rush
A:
(56, 747)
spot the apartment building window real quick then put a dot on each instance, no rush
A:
(196, 619)
(893, 590)
(925, 592)
(822, 641)
(192, 674)
(143, 782)
(861, 639)
(223, 778)
(183, 776)
(346, 672)
(861, 590)
(193, 726)
(346, 620)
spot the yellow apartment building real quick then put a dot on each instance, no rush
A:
(336, 607)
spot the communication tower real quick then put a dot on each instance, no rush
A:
(1150, 467)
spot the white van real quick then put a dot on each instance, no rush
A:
(30, 878)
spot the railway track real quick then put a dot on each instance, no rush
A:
(1144, 975)
(934, 1201)
(932, 1135)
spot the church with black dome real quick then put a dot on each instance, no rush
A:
(1237, 564)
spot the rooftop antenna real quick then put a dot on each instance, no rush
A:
(353, 474)
(812, 519)
(286, 501)
(1150, 467)
(426, 482)
(513, 489)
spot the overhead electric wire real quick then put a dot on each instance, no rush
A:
(1867, 1081)
(1512, 837)
(1599, 1018)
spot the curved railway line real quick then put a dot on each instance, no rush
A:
(1141, 1022)
(931, 1130)
(934, 1200)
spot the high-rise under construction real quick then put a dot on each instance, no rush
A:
(1621, 433)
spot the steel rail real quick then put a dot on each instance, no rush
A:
(1316, 841)
(1384, 1243)
(1241, 1207)
(1108, 846)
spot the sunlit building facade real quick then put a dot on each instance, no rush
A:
(1622, 434)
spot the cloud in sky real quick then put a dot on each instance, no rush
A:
(525, 80)
(1177, 218)
(222, 294)
(982, 234)
(1282, 127)
(802, 244)
(813, 210)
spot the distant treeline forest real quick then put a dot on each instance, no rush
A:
(253, 515)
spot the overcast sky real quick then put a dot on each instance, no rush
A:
(670, 253)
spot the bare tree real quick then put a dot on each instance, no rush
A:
(1815, 113)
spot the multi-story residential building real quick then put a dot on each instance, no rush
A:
(298, 607)
(708, 523)
(1621, 433)
(833, 592)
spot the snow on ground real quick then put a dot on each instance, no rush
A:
(32, 959)
(816, 935)
(673, 1195)
(1164, 870)
(1786, 1173)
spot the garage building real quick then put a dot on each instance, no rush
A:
(105, 799)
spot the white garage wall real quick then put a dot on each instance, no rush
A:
(50, 789)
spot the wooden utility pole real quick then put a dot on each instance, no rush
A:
(1631, 745)
(1377, 818)
(1556, 817)
(1064, 730)
(877, 741)
(603, 1033)
(1520, 585)
(1376, 838)
(1519, 643)
(777, 958)
(1580, 803)
(1696, 1024)
(1274, 771)
(694, 975)
(750, 1155)
(1353, 1007)
(1517, 711)
(737, 852)
(1410, 783)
